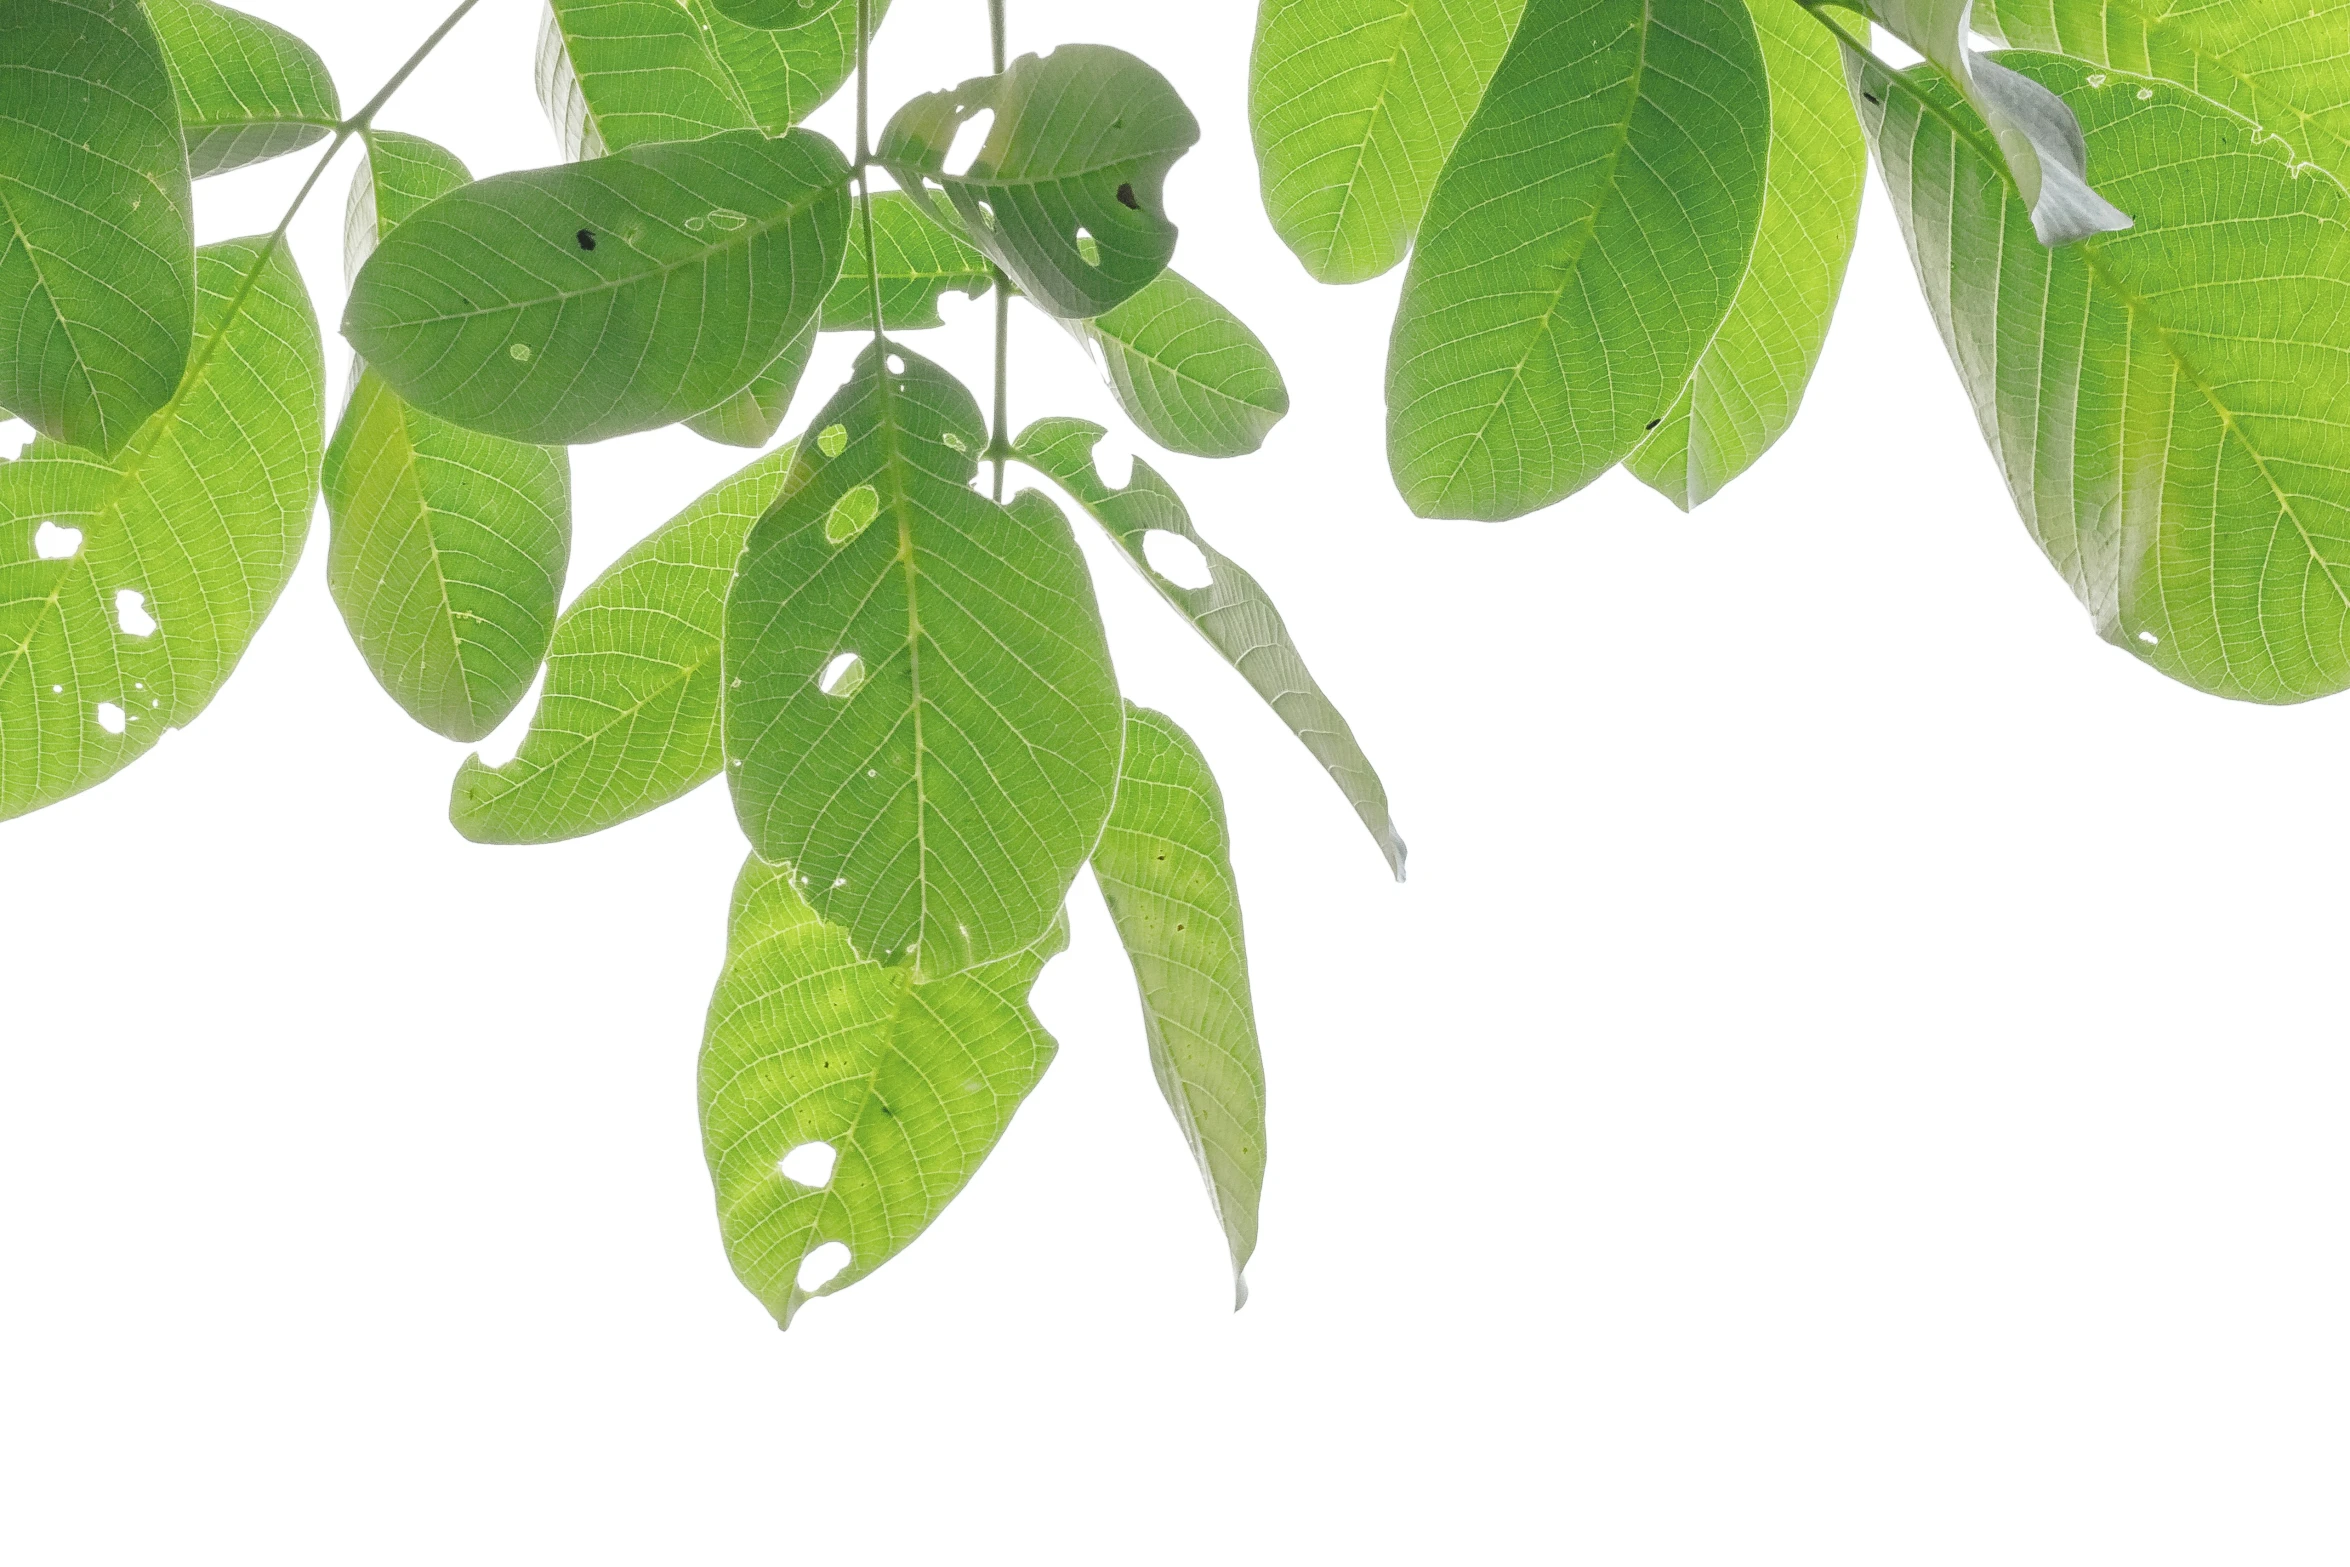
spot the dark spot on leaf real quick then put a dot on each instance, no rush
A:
(1873, 98)
(1126, 197)
(1178, 927)
(587, 239)
(1653, 423)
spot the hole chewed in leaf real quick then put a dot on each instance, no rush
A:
(896, 363)
(842, 676)
(1089, 249)
(52, 542)
(112, 718)
(130, 613)
(810, 1164)
(834, 440)
(1177, 559)
(851, 515)
(821, 1266)
(970, 137)
(1113, 460)
(15, 436)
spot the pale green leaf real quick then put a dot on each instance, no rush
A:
(401, 173)
(919, 263)
(898, 1088)
(1580, 251)
(569, 304)
(784, 73)
(185, 539)
(97, 255)
(247, 90)
(1165, 868)
(1186, 370)
(1232, 612)
(628, 720)
(752, 416)
(920, 707)
(1355, 105)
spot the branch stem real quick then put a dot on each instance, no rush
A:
(999, 445)
(865, 159)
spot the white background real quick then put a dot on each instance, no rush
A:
(1857, 1075)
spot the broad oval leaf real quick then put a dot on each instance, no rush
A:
(1750, 380)
(129, 588)
(97, 247)
(570, 304)
(1582, 247)
(1165, 868)
(1232, 612)
(1067, 193)
(784, 73)
(398, 175)
(919, 263)
(1354, 106)
(921, 713)
(2169, 405)
(896, 1088)
(1186, 370)
(629, 717)
(752, 416)
(247, 90)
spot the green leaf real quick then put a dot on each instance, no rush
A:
(1186, 370)
(920, 705)
(1582, 247)
(2169, 405)
(129, 588)
(920, 262)
(1067, 192)
(629, 717)
(1232, 611)
(753, 415)
(1749, 381)
(570, 304)
(1355, 105)
(908, 1086)
(785, 73)
(400, 175)
(247, 91)
(97, 254)
(1165, 868)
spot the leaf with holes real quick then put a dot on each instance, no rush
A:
(2169, 405)
(1186, 370)
(1165, 869)
(1583, 245)
(129, 588)
(898, 1089)
(1354, 106)
(97, 248)
(628, 719)
(1750, 380)
(919, 263)
(1067, 191)
(1231, 610)
(575, 303)
(247, 91)
(920, 707)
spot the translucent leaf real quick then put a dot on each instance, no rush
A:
(1749, 381)
(2169, 405)
(628, 718)
(1355, 105)
(784, 73)
(920, 262)
(129, 588)
(752, 416)
(1232, 611)
(1165, 868)
(400, 174)
(248, 91)
(844, 1104)
(920, 706)
(570, 304)
(97, 254)
(1066, 193)
(1186, 370)
(1580, 250)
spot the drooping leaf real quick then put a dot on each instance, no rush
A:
(247, 90)
(130, 587)
(1233, 612)
(569, 304)
(897, 1088)
(920, 708)
(1067, 191)
(1579, 252)
(1749, 381)
(97, 248)
(1165, 868)
(2169, 405)
(1187, 370)
(752, 416)
(1355, 105)
(400, 174)
(628, 719)
(919, 263)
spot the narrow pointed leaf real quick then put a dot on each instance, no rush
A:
(1233, 612)
(628, 719)
(752, 416)
(570, 304)
(1355, 105)
(920, 707)
(1749, 381)
(248, 91)
(1186, 370)
(1165, 868)
(1067, 193)
(97, 249)
(129, 588)
(906, 1085)
(920, 262)
(1582, 247)
(2169, 405)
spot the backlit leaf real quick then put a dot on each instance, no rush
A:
(784, 73)
(1186, 370)
(247, 90)
(919, 263)
(752, 416)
